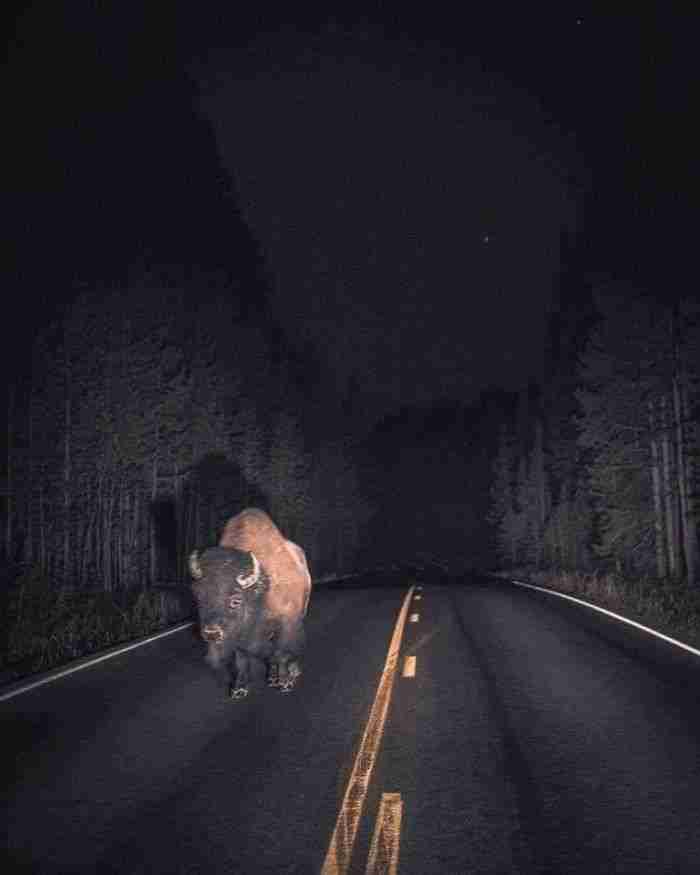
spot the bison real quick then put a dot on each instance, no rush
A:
(252, 594)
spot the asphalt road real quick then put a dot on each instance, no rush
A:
(532, 738)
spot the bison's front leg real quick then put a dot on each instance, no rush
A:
(289, 671)
(273, 672)
(282, 673)
(240, 675)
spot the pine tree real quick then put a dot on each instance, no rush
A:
(638, 432)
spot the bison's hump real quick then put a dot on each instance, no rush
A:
(251, 530)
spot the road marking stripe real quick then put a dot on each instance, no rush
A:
(386, 841)
(339, 852)
(612, 614)
(413, 618)
(419, 588)
(418, 597)
(409, 667)
(89, 662)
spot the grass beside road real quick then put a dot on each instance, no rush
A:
(42, 627)
(667, 606)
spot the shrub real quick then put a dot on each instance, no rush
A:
(44, 627)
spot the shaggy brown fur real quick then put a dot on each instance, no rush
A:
(252, 530)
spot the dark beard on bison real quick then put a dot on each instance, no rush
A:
(218, 654)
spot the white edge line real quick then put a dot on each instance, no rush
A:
(615, 616)
(67, 671)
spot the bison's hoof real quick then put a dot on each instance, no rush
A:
(238, 692)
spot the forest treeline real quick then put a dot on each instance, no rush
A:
(151, 392)
(598, 470)
(152, 415)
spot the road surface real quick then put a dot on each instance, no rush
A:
(532, 737)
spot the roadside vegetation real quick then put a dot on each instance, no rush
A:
(668, 606)
(596, 471)
(43, 627)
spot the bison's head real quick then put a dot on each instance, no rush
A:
(245, 581)
(228, 585)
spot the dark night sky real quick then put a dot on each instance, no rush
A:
(411, 208)
(410, 179)
(411, 182)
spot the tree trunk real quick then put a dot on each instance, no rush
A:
(668, 489)
(661, 563)
(513, 540)
(541, 488)
(42, 527)
(108, 571)
(66, 486)
(136, 554)
(573, 520)
(99, 524)
(691, 483)
(29, 550)
(684, 475)
(118, 536)
(152, 527)
(89, 539)
(8, 482)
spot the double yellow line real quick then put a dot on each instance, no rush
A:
(385, 841)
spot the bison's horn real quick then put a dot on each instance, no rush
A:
(195, 567)
(253, 577)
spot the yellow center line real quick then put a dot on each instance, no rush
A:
(337, 861)
(386, 841)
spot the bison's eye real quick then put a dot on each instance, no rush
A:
(235, 602)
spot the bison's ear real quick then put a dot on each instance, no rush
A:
(195, 567)
(243, 581)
